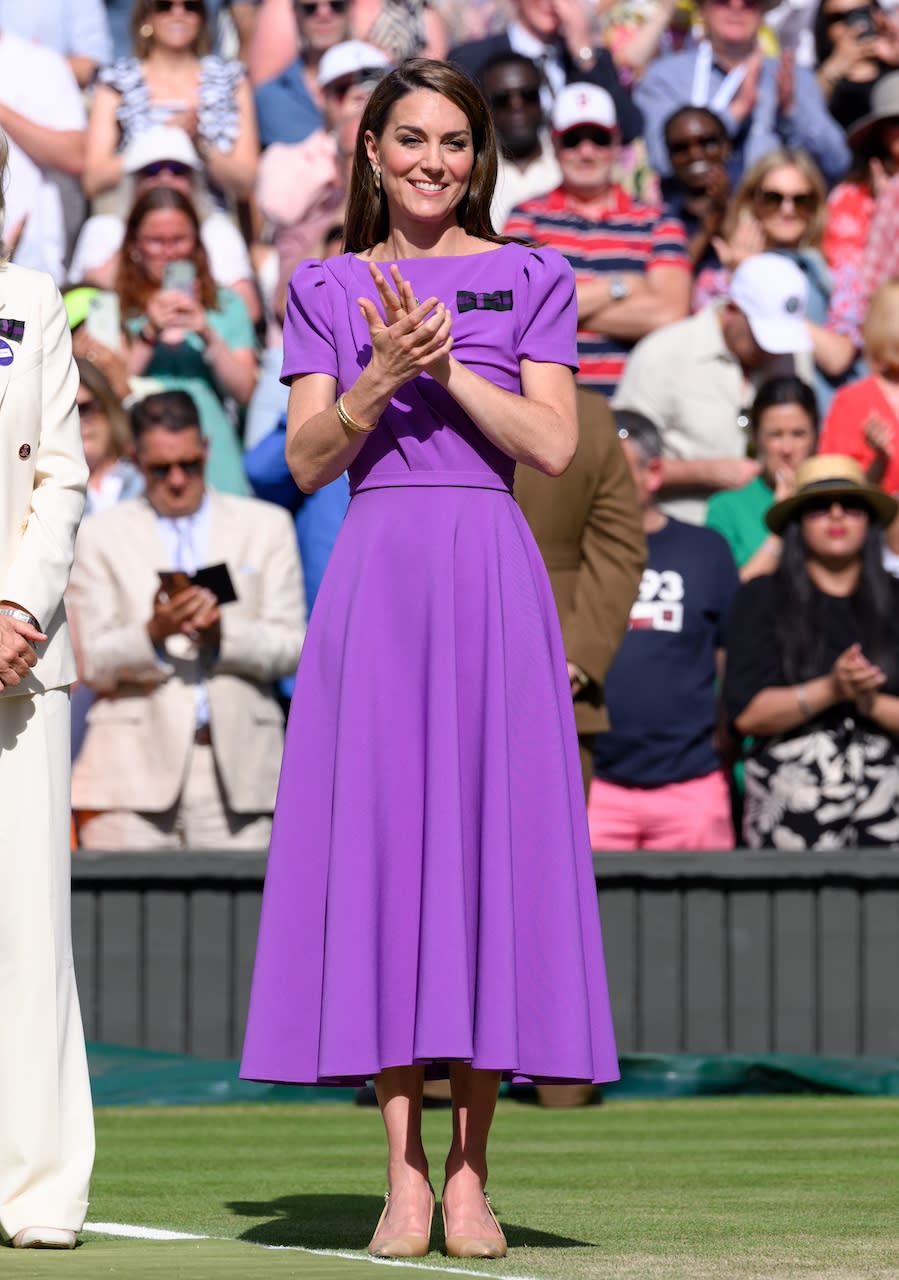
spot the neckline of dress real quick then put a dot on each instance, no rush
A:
(433, 257)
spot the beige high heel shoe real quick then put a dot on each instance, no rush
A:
(403, 1246)
(475, 1246)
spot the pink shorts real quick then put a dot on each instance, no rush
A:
(690, 815)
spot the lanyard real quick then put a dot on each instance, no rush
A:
(702, 77)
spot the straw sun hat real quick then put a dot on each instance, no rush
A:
(831, 475)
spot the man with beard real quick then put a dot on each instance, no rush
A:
(527, 164)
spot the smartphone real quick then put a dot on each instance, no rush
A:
(103, 321)
(180, 275)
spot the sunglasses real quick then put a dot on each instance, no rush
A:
(744, 4)
(706, 142)
(769, 201)
(503, 98)
(817, 507)
(189, 6)
(853, 17)
(174, 167)
(308, 9)
(594, 133)
(90, 409)
(190, 467)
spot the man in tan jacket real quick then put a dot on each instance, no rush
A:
(587, 526)
(183, 745)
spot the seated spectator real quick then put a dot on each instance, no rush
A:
(225, 18)
(402, 28)
(695, 379)
(863, 421)
(764, 102)
(163, 156)
(106, 436)
(783, 431)
(780, 207)
(78, 31)
(587, 525)
(172, 79)
(637, 31)
(855, 44)
(526, 159)
(184, 742)
(42, 118)
(630, 262)
(658, 777)
(288, 46)
(558, 40)
(699, 187)
(812, 670)
(189, 335)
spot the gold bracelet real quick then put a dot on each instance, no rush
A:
(361, 428)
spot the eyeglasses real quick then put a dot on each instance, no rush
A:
(817, 507)
(803, 201)
(309, 8)
(166, 6)
(503, 98)
(158, 167)
(705, 142)
(91, 409)
(159, 244)
(594, 133)
(190, 467)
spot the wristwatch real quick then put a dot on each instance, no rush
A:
(585, 58)
(20, 616)
(619, 288)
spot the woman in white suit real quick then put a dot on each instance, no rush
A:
(46, 1124)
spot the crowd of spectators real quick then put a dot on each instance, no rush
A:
(723, 176)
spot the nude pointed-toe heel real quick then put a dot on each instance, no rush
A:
(402, 1246)
(475, 1246)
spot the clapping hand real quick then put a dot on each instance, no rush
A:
(747, 240)
(879, 435)
(415, 336)
(743, 103)
(856, 679)
(786, 83)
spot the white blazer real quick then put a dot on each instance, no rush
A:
(44, 476)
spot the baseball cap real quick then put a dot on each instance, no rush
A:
(160, 142)
(772, 293)
(583, 103)
(351, 58)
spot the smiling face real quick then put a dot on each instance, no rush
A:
(732, 26)
(512, 90)
(586, 155)
(177, 27)
(321, 24)
(784, 204)
(696, 144)
(425, 156)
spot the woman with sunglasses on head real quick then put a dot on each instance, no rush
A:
(172, 79)
(430, 903)
(813, 670)
(183, 331)
(780, 206)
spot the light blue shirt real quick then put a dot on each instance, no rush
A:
(69, 26)
(668, 85)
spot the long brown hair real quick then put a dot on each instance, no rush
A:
(100, 388)
(367, 215)
(141, 17)
(133, 285)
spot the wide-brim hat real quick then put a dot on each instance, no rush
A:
(831, 475)
(884, 106)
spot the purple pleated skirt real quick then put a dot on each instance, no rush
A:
(430, 892)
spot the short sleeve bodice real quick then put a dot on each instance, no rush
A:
(508, 304)
(217, 112)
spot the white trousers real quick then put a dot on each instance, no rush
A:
(46, 1120)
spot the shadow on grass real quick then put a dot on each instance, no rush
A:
(347, 1222)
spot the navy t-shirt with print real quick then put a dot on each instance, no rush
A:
(661, 689)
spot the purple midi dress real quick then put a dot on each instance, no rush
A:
(430, 892)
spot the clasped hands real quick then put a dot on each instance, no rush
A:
(412, 336)
(172, 313)
(855, 679)
(193, 612)
(17, 652)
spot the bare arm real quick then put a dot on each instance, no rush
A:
(244, 18)
(62, 149)
(709, 474)
(274, 44)
(644, 44)
(659, 297)
(235, 170)
(82, 68)
(778, 709)
(834, 352)
(103, 165)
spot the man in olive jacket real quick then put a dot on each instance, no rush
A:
(588, 528)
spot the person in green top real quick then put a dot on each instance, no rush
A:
(783, 428)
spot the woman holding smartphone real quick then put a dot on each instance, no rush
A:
(184, 331)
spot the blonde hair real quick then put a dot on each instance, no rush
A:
(880, 331)
(751, 183)
(4, 175)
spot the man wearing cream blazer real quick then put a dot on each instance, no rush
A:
(183, 744)
(46, 1123)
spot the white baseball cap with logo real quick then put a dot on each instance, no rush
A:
(351, 58)
(158, 143)
(772, 293)
(583, 103)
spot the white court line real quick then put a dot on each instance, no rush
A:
(155, 1233)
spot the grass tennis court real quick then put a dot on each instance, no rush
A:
(761, 1189)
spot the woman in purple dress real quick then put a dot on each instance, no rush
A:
(430, 904)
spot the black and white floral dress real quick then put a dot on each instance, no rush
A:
(831, 783)
(218, 120)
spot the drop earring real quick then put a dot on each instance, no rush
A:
(377, 177)
(145, 31)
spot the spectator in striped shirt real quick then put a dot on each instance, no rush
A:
(630, 260)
